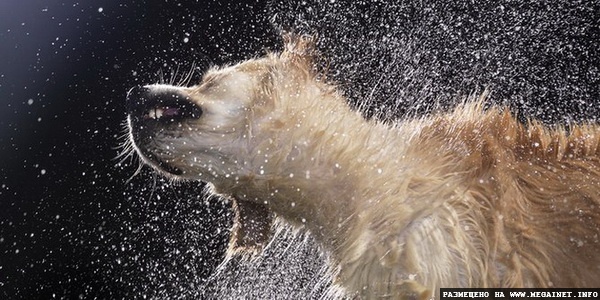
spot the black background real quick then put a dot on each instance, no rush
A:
(69, 220)
(73, 226)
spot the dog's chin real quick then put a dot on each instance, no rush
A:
(165, 167)
(159, 164)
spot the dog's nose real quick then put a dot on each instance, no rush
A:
(161, 103)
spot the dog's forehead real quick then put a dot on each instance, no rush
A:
(254, 65)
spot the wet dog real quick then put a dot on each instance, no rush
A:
(470, 198)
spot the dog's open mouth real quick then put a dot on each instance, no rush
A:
(166, 105)
(155, 110)
(164, 113)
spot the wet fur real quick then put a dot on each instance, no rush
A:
(470, 198)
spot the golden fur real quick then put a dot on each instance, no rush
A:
(471, 198)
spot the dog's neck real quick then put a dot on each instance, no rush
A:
(317, 174)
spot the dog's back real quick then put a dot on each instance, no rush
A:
(533, 197)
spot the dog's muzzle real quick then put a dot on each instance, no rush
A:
(155, 110)
(160, 105)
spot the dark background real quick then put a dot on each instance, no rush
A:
(72, 225)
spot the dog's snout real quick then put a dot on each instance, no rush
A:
(164, 104)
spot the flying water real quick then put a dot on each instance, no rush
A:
(392, 60)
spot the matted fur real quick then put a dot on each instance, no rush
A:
(471, 198)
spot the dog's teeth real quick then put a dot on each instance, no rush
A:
(155, 113)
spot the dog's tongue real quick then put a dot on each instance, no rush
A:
(171, 112)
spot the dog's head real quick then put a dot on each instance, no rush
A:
(207, 130)
(214, 131)
(194, 132)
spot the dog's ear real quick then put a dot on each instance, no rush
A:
(251, 228)
(299, 47)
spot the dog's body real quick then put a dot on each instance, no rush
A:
(471, 198)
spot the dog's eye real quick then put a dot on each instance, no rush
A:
(207, 85)
(209, 81)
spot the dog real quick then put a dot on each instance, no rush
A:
(468, 198)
